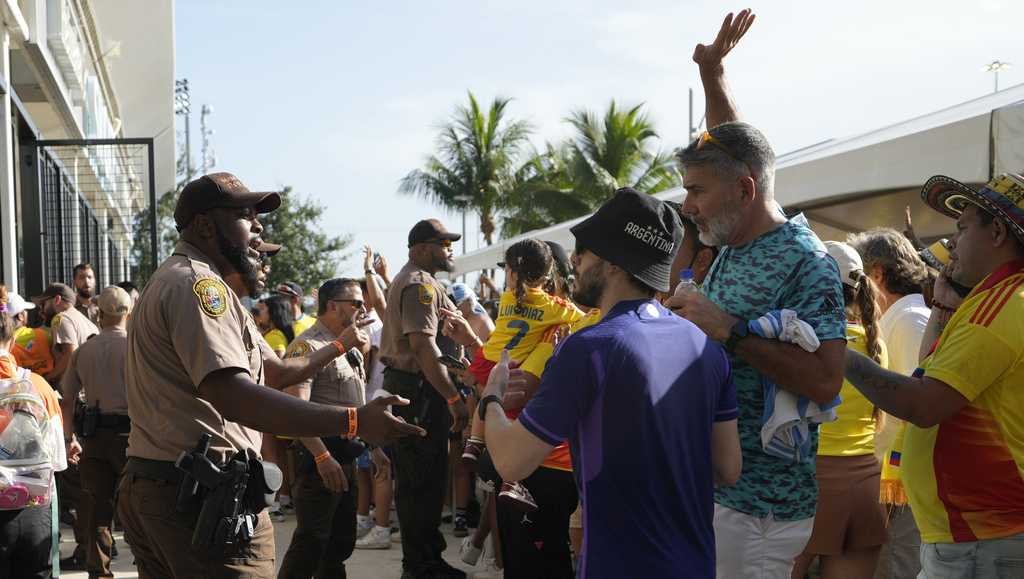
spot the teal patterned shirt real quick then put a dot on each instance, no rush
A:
(786, 268)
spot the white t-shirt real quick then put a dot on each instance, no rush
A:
(902, 327)
(375, 379)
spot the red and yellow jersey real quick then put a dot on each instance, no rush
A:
(521, 326)
(31, 349)
(965, 477)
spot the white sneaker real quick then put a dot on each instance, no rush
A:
(362, 528)
(488, 569)
(378, 538)
(468, 552)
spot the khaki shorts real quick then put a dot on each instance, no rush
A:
(849, 516)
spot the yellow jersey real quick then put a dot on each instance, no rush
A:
(965, 477)
(302, 324)
(277, 341)
(853, 432)
(521, 326)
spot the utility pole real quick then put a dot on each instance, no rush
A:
(183, 107)
(690, 134)
(209, 157)
(994, 67)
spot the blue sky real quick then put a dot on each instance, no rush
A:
(341, 99)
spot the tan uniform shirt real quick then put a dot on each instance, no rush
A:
(98, 369)
(91, 311)
(415, 300)
(187, 324)
(72, 327)
(337, 383)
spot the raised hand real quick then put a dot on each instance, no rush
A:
(710, 56)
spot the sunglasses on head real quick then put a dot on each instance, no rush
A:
(707, 138)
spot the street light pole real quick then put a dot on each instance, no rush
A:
(994, 67)
(183, 107)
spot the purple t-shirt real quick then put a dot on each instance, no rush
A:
(636, 396)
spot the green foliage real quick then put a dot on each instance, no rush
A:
(167, 237)
(309, 256)
(574, 178)
(475, 165)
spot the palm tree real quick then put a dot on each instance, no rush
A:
(475, 165)
(576, 177)
(615, 152)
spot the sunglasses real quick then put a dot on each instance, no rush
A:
(707, 138)
(355, 303)
(445, 243)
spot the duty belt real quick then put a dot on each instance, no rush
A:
(162, 470)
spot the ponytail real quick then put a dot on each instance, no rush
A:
(865, 301)
(532, 263)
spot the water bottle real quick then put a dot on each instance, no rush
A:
(686, 283)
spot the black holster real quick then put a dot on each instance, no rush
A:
(87, 419)
(229, 496)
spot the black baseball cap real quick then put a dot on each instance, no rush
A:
(637, 232)
(430, 230)
(561, 259)
(218, 190)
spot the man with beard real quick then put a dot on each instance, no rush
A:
(85, 286)
(195, 369)
(767, 262)
(411, 349)
(644, 398)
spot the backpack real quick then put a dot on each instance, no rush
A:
(27, 445)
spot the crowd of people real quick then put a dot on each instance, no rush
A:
(703, 389)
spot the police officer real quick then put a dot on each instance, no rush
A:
(97, 367)
(69, 329)
(324, 492)
(411, 347)
(195, 367)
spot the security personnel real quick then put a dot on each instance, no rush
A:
(195, 367)
(102, 435)
(411, 347)
(31, 347)
(69, 329)
(324, 492)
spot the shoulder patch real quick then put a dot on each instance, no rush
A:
(213, 296)
(426, 294)
(55, 322)
(298, 349)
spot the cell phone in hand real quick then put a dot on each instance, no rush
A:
(376, 260)
(452, 363)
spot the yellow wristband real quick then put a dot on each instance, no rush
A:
(353, 423)
(322, 457)
(454, 399)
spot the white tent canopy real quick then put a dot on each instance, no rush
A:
(856, 183)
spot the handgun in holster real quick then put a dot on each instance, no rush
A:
(230, 497)
(87, 419)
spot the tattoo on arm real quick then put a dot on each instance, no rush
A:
(894, 393)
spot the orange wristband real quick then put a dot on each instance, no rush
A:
(353, 423)
(322, 457)
(454, 399)
(341, 348)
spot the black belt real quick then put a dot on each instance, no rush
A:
(114, 421)
(413, 378)
(162, 470)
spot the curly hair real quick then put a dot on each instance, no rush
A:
(903, 271)
(532, 262)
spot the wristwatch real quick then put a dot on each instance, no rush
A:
(737, 332)
(482, 407)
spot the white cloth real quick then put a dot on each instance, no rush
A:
(785, 428)
(902, 328)
(747, 547)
